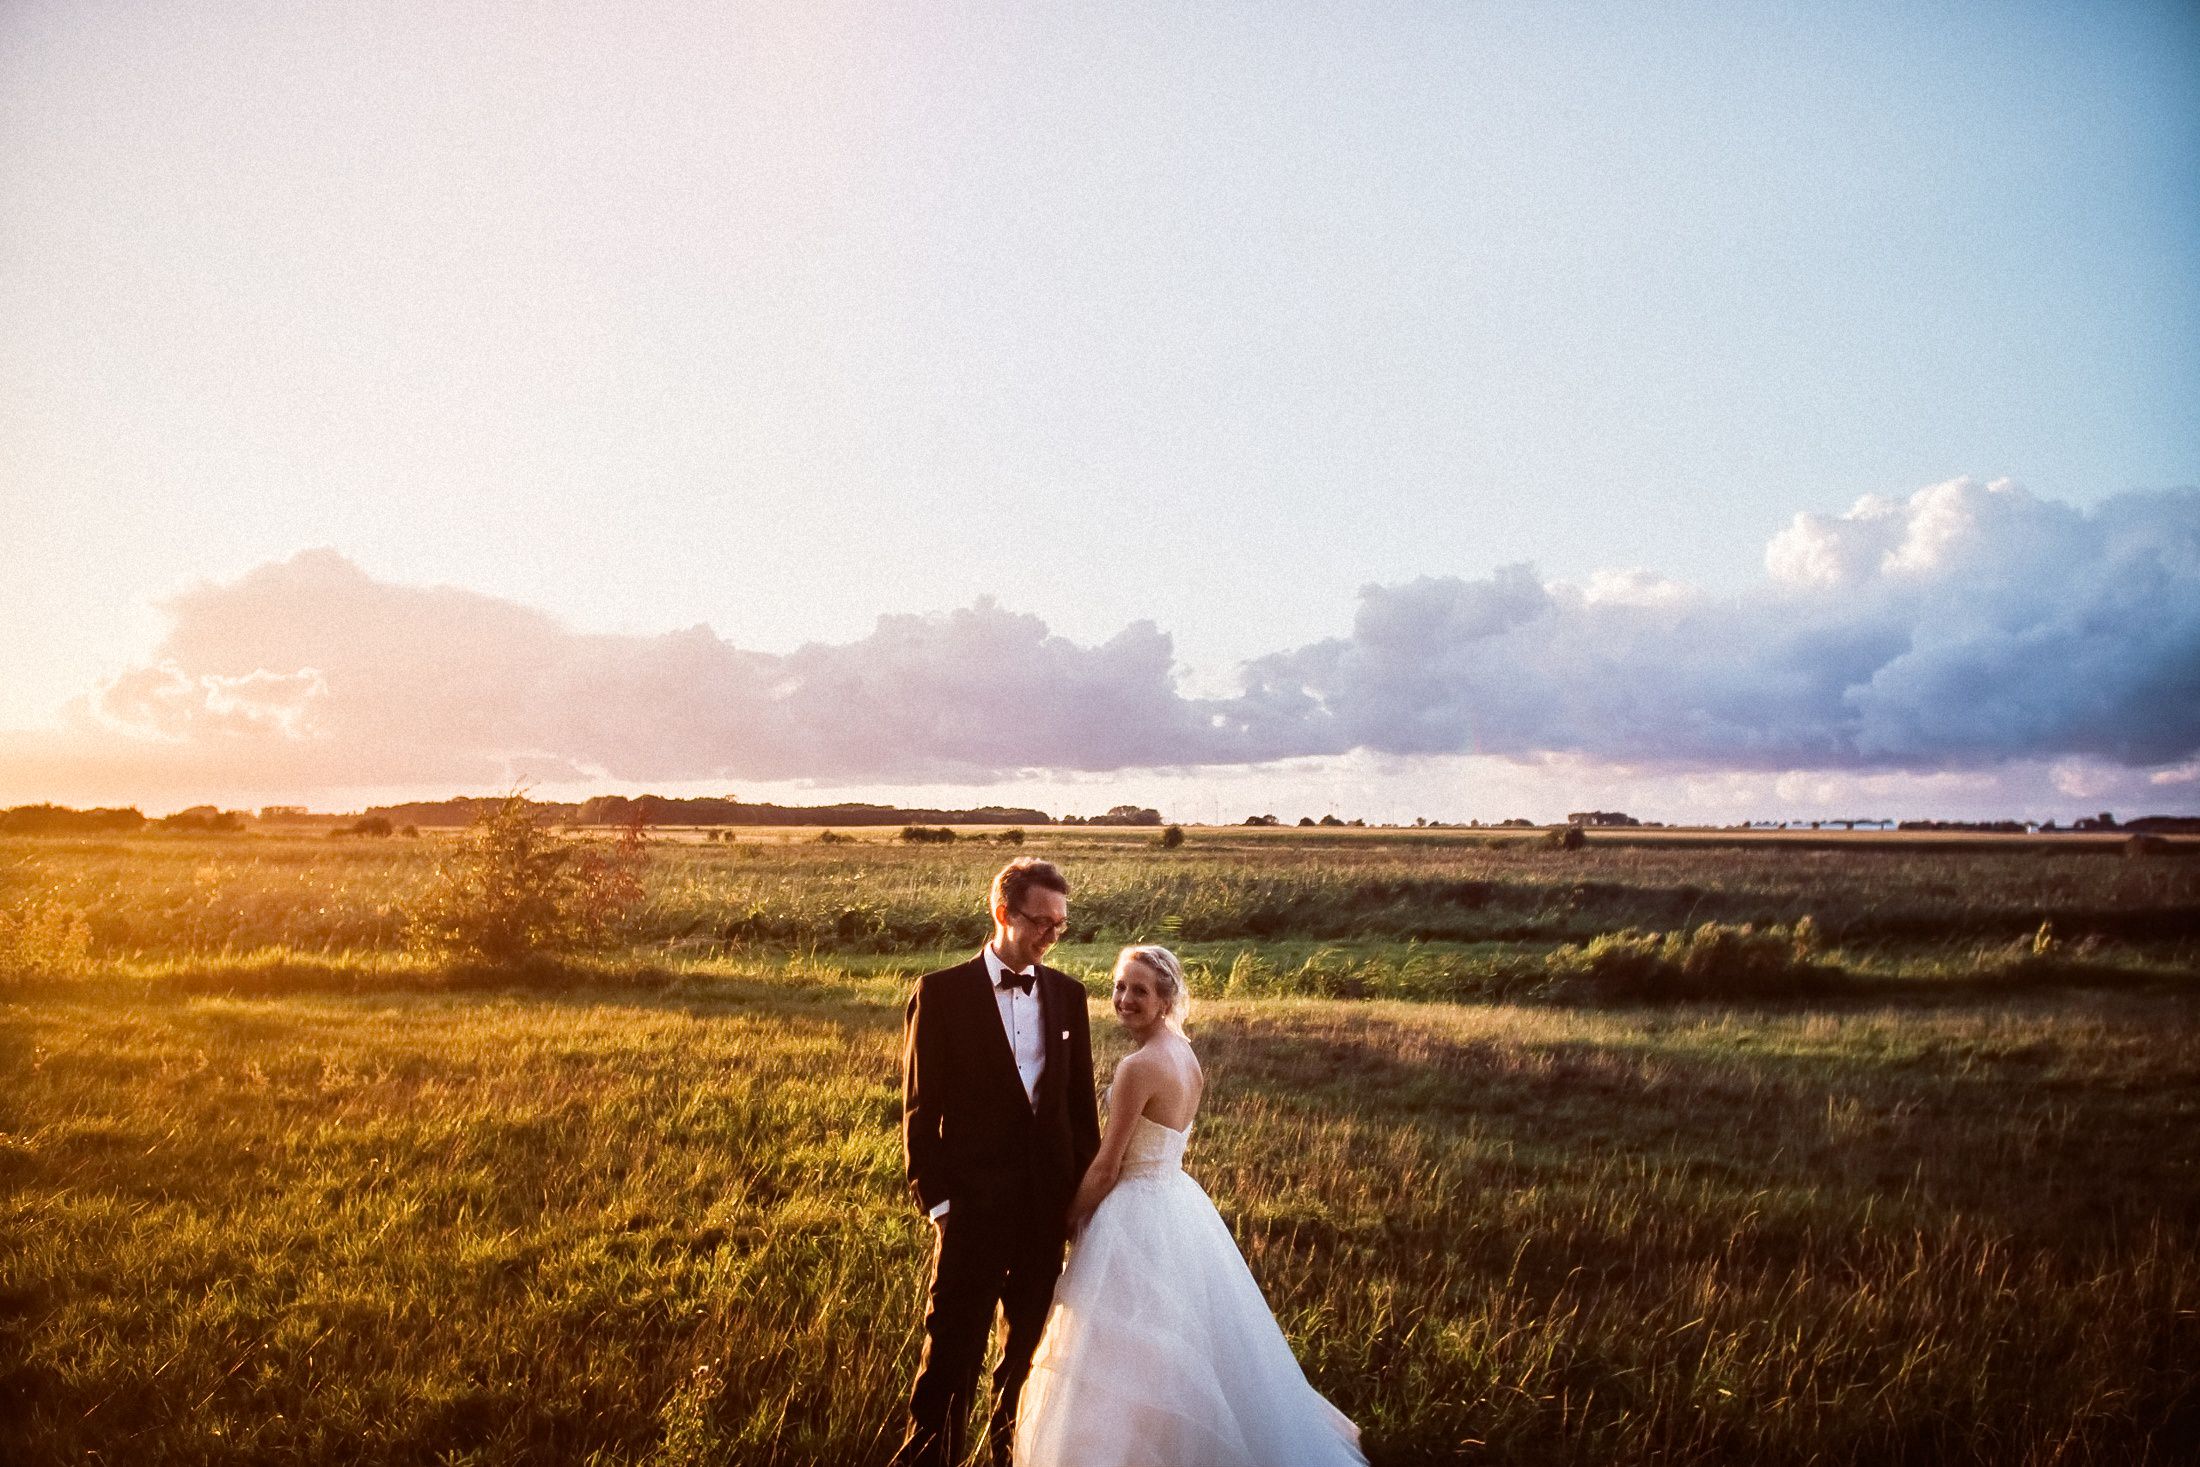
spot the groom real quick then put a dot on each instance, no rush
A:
(998, 1123)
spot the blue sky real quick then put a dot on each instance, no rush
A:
(780, 319)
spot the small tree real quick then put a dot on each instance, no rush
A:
(516, 890)
(42, 937)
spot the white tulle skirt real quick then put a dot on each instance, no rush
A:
(1161, 1352)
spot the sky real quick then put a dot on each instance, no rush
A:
(1455, 411)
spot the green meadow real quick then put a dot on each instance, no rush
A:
(279, 1184)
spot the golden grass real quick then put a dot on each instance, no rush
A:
(152, 898)
(277, 1186)
(623, 1226)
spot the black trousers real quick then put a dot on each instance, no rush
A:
(984, 1258)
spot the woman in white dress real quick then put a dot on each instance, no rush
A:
(1159, 1350)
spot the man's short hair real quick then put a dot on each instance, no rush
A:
(1020, 876)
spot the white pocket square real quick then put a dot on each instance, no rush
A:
(1065, 1033)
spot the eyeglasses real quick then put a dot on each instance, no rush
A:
(1042, 923)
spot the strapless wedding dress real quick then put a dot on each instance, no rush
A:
(1160, 1350)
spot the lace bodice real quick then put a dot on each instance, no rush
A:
(1154, 1148)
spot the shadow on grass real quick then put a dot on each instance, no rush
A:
(1987, 1124)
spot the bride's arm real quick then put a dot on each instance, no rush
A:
(1127, 1097)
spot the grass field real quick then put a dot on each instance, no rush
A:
(275, 1187)
(1473, 907)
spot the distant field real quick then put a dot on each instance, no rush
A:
(1251, 836)
(273, 1189)
(1419, 914)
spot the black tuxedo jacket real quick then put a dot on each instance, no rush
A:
(969, 1135)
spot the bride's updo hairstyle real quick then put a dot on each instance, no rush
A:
(1168, 980)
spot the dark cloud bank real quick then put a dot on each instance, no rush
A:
(1965, 626)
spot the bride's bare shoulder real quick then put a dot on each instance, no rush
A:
(1137, 1062)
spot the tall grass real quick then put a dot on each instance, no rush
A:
(622, 1228)
(272, 1188)
(147, 898)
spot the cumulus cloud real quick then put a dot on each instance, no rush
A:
(312, 660)
(1963, 628)
(166, 702)
(1969, 624)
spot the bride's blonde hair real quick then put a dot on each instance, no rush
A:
(1168, 975)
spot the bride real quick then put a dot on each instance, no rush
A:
(1159, 1350)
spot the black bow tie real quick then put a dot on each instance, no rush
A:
(1019, 980)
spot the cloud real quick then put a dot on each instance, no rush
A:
(1964, 628)
(166, 702)
(1967, 625)
(313, 663)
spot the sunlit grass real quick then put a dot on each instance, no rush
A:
(617, 1225)
(147, 897)
(278, 1183)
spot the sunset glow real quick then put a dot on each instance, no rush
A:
(1432, 412)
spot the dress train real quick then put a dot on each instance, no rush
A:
(1159, 1350)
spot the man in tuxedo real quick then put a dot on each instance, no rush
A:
(998, 1123)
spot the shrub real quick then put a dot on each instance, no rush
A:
(1712, 960)
(1250, 976)
(922, 835)
(43, 937)
(1010, 837)
(1566, 838)
(835, 838)
(201, 820)
(515, 891)
(2045, 958)
(1172, 837)
(61, 820)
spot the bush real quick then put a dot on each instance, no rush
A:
(925, 835)
(2045, 958)
(516, 891)
(42, 937)
(1566, 838)
(201, 820)
(1010, 837)
(1172, 837)
(61, 820)
(1713, 960)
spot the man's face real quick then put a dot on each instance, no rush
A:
(1031, 926)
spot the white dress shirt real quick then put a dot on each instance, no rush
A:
(1022, 1022)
